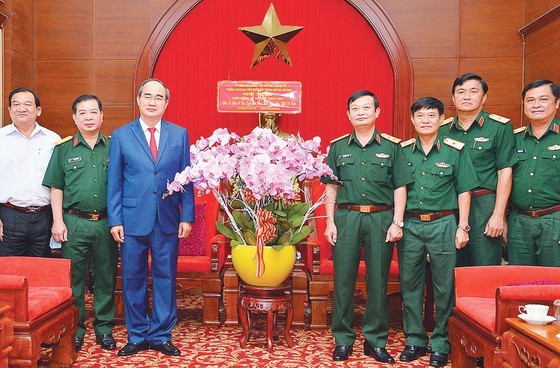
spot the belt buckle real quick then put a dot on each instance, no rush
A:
(425, 217)
(365, 208)
(33, 209)
(535, 214)
(94, 217)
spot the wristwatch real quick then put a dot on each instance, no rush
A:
(398, 223)
(466, 228)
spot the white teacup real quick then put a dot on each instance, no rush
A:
(536, 310)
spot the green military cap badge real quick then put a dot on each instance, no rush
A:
(453, 143)
(498, 118)
(408, 143)
(519, 130)
(63, 140)
(391, 138)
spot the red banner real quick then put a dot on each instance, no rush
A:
(259, 96)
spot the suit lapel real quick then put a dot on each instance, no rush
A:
(163, 138)
(139, 134)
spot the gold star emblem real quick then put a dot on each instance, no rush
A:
(271, 38)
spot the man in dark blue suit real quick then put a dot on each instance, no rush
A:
(143, 155)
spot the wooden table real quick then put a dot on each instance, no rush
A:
(269, 300)
(526, 345)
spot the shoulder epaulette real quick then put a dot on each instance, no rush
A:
(66, 139)
(447, 121)
(498, 118)
(453, 143)
(391, 138)
(341, 137)
(408, 143)
(519, 130)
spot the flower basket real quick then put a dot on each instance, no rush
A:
(256, 179)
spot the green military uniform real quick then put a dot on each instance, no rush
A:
(489, 142)
(533, 235)
(81, 173)
(368, 175)
(439, 177)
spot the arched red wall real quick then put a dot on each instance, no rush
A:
(337, 53)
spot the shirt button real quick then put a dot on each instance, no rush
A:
(95, 180)
(423, 173)
(93, 165)
(529, 190)
(531, 174)
(479, 148)
(421, 202)
(553, 156)
(363, 195)
(363, 149)
(94, 211)
(464, 133)
(534, 157)
(363, 179)
(382, 164)
(421, 188)
(95, 195)
(425, 158)
(363, 163)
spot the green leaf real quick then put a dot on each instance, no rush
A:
(226, 231)
(284, 239)
(249, 236)
(302, 234)
(235, 243)
(278, 247)
(297, 213)
(242, 221)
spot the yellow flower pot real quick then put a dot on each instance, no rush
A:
(278, 264)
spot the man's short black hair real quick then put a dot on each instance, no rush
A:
(427, 103)
(541, 82)
(83, 98)
(466, 77)
(362, 93)
(23, 89)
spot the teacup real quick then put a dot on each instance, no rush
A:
(536, 310)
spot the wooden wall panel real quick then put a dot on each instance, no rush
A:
(116, 116)
(543, 37)
(488, 28)
(536, 8)
(22, 34)
(428, 27)
(22, 71)
(434, 77)
(64, 29)
(113, 81)
(544, 64)
(59, 83)
(122, 27)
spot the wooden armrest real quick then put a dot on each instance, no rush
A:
(14, 293)
(220, 250)
(313, 256)
(529, 292)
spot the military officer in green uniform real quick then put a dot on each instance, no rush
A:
(489, 140)
(443, 178)
(77, 176)
(534, 224)
(370, 195)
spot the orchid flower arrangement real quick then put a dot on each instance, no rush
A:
(256, 179)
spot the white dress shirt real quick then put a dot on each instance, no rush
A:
(148, 134)
(23, 162)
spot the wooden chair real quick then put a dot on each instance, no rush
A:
(484, 297)
(200, 261)
(319, 266)
(38, 292)
(6, 336)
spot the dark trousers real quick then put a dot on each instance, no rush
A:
(134, 253)
(25, 234)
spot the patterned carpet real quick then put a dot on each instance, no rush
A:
(219, 347)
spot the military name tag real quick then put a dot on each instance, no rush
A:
(442, 164)
(347, 155)
(382, 155)
(481, 139)
(74, 159)
(521, 150)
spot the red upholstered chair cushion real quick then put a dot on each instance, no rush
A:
(43, 299)
(482, 310)
(194, 244)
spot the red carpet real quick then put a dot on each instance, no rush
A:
(219, 347)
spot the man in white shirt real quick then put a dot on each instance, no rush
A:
(25, 151)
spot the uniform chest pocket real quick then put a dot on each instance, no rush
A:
(381, 169)
(551, 163)
(74, 166)
(344, 165)
(442, 178)
(520, 161)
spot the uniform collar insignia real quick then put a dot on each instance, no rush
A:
(76, 140)
(481, 121)
(556, 128)
(438, 144)
(377, 137)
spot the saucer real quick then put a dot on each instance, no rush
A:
(536, 320)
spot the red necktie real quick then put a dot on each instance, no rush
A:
(153, 145)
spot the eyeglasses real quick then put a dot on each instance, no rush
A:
(148, 97)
